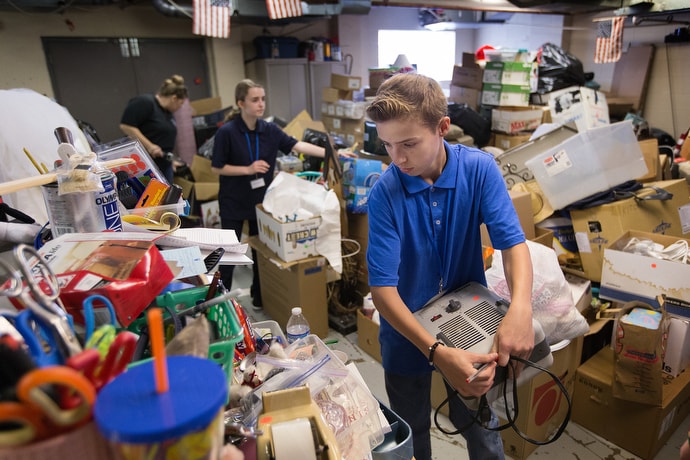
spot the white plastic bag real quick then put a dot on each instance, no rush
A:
(552, 299)
(288, 195)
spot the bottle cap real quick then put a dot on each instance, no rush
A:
(296, 310)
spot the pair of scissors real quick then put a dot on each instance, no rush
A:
(35, 415)
(100, 371)
(103, 336)
(36, 287)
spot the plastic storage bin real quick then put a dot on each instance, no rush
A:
(269, 328)
(397, 443)
(590, 162)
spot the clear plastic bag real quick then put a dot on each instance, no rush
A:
(347, 405)
(552, 300)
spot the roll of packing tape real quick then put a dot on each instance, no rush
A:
(293, 439)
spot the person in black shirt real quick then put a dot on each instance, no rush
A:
(149, 119)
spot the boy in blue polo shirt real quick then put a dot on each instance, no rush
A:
(425, 213)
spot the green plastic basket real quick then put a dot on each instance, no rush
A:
(222, 316)
(311, 176)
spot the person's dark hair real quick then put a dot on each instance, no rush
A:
(174, 86)
(243, 87)
(409, 96)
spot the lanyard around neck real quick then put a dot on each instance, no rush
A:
(249, 146)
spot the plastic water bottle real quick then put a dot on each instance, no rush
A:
(297, 326)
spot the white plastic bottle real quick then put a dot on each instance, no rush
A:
(297, 326)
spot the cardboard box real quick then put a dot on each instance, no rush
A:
(513, 120)
(677, 357)
(508, 141)
(345, 82)
(290, 284)
(206, 106)
(288, 240)
(462, 95)
(543, 236)
(350, 130)
(590, 162)
(368, 335)
(543, 406)
(597, 227)
(510, 73)
(639, 428)
(627, 276)
(650, 151)
(203, 188)
(379, 75)
(467, 77)
(583, 106)
(497, 94)
(356, 198)
(205, 180)
(361, 171)
(335, 95)
(522, 201)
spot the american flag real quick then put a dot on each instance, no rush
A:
(609, 45)
(279, 9)
(212, 18)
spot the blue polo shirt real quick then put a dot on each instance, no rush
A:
(235, 144)
(424, 239)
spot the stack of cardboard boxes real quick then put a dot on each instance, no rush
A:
(339, 113)
(292, 272)
(659, 213)
(466, 83)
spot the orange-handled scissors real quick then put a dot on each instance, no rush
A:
(37, 415)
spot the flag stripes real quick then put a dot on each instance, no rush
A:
(609, 44)
(212, 18)
(279, 9)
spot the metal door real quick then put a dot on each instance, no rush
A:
(95, 77)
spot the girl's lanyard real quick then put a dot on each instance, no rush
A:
(257, 182)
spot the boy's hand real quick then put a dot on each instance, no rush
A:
(458, 366)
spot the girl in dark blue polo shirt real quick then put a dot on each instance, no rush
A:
(244, 155)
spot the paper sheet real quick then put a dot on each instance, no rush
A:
(205, 238)
(190, 260)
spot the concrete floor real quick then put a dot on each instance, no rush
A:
(575, 442)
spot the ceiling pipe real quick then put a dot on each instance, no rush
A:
(168, 9)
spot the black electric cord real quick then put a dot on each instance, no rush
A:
(483, 415)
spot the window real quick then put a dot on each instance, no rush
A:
(432, 52)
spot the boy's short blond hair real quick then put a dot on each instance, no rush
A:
(409, 96)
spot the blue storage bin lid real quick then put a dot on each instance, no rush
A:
(129, 410)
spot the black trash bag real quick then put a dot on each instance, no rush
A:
(471, 123)
(558, 69)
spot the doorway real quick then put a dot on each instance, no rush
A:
(94, 78)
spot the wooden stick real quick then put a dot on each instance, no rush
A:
(43, 179)
(33, 162)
